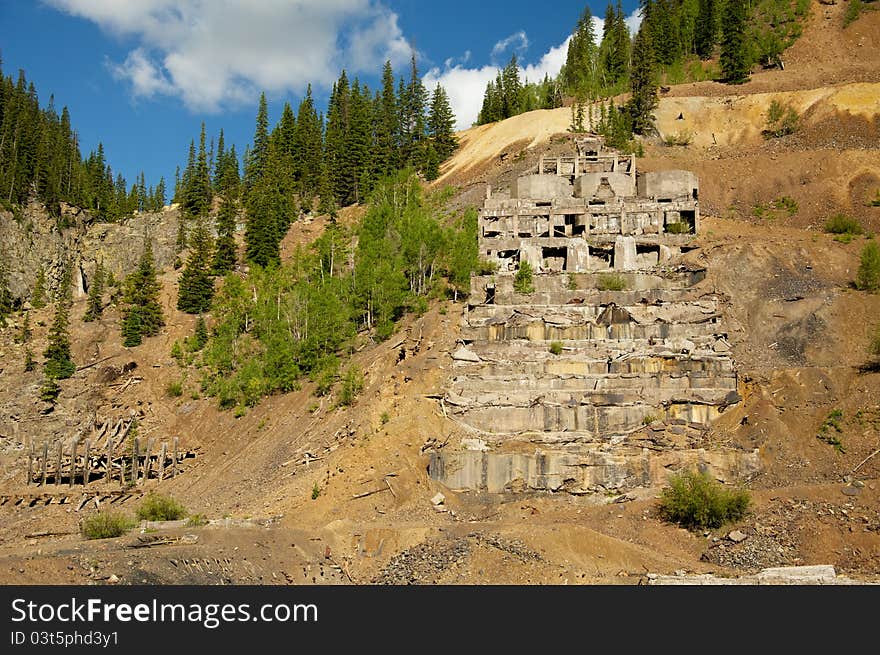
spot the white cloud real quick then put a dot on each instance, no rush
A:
(518, 40)
(212, 53)
(632, 21)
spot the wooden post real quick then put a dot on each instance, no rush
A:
(58, 464)
(45, 461)
(31, 463)
(73, 463)
(174, 446)
(87, 468)
(148, 464)
(162, 461)
(135, 460)
(108, 477)
(122, 469)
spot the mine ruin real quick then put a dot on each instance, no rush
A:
(608, 371)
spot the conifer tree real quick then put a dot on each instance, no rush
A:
(706, 28)
(224, 250)
(38, 296)
(308, 143)
(412, 117)
(441, 124)
(735, 59)
(255, 161)
(643, 84)
(142, 315)
(386, 155)
(200, 337)
(196, 286)
(58, 364)
(579, 72)
(95, 306)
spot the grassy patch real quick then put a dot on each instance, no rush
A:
(782, 120)
(106, 525)
(556, 347)
(842, 224)
(696, 500)
(522, 281)
(678, 228)
(611, 282)
(160, 508)
(825, 431)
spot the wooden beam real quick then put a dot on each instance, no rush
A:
(30, 477)
(45, 461)
(136, 460)
(58, 453)
(87, 465)
(162, 455)
(175, 444)
(73, 463)
(147, 459)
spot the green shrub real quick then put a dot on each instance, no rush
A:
(678, 228)
(786, 203)
(695, 500)
(556, 347)
(105, 525)
(571, 282)
(611, 282)
(853, 10)
(197, 520)
(160, 508)
(316, 491)
(522, 281)
(841, 224)
(682, 138)
(781, 120)
(174, 389)
(868, 277)
(352, 385)
(385, 418)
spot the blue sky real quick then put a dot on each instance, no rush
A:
(141, 75)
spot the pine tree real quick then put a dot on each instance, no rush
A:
(95, 305)
(338, 123)
(38, 296)
(706, 29)
(579, 72)
(643, 84)
(309, 144)
(255, 161)
(441, 124)
(511, 97)
(200, 337)
(412, 117)
(386, 156)
(735, 59)
(58, 364)
(224, 250)
(142, 315)
(196, 286)
(24, 336)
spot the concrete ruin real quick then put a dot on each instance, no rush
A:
(609, 372)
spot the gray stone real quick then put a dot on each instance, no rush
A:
(465, 355)
(736, 536)
(625, 253)
(438, 499)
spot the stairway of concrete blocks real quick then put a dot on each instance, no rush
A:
(644, 366)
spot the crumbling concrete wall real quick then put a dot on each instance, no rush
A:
(539, 187)
(668, 185)
(590, 185)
